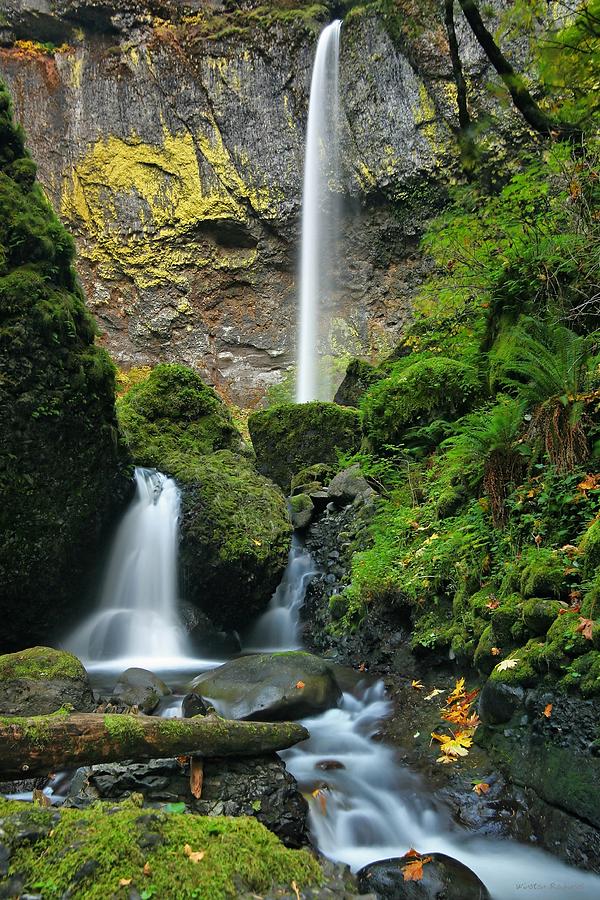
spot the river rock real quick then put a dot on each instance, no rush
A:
(139, 687)
(301, 510)
(499, 701)
(260, 787)
(444, 878)
(348, 485)
(40, 680)
(193, 705)
(270, 687)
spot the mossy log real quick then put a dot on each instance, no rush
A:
(42, 744)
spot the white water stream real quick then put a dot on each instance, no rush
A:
(319, 204)
(137, 619)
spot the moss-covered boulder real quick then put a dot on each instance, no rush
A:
(419, 390)
(359, 377)
(301, 510)
(174, 411)
(63, 470)
(290, 437)
(235, 536)
(107, 851)
(270, 687)
(40, 680)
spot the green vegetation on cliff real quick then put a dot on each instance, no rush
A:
(486, 423)
(110, 851)
(62, 467)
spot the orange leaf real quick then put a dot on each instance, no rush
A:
(493, 604)
(300, 685)
(193, 855)
(496, 651)
(321, 796)
(548, 710)
(413, 852)
(124, 882)
(147, 870)
(586, 627)
(482, 787)
(413, 871)
(196, 777)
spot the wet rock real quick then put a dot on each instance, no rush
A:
(206, 637)
(499, 701)
(349, 485)
(270, 686)
(194, 705)
(4, 859)
(302, 509)
(260, 787)
(141, 688)
(444, 878)
(41, 680)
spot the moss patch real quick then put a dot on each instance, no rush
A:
(104, 852)
(40, 664)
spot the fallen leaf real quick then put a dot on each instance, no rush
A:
(481, 787)
(300, 685)
(196, 776)
(417, 734)
(193, 855)
(496, 651)
(413, 852)
(295, 890)
(362, 667)
(124, 882)
(548, 710)
(507, 664)
(413, 871)
(147, 870)
(493, 604)
(586, 627)
(434, 693)
(182, 760)
(320, 795)
(416, 685)
(459, 690)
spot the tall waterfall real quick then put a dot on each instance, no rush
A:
(321, 166)
(137, 613)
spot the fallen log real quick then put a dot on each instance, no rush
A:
(41, 744)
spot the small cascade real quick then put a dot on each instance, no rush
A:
(278, 627)
(137, 614)
(321, 171)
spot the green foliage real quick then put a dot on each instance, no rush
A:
(421, 389)
(62, 468)
(290, 437)
(172, 412)
(239, 853)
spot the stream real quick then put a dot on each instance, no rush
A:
(367, 806)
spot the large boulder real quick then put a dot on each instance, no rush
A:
(40, 680)
(174, 411)
(359, 377)
(292, 436)
(141, 688)
(235, 537)
(349, 485)
(443, 877)
(270, 687)
(63, 470)
(260, 787)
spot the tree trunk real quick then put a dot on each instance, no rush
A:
(522, 99)
(461, 86)
(36, 746)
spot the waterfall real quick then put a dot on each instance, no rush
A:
(321, 166)
(137, 613)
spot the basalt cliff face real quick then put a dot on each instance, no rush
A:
(170, 138)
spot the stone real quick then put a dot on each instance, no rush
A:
(206, 638)
(141, 688)
(291, 436)
(40, 680)
(270, 686)
(193, 705)
(349, 485)
(360, 375)
(260, 787)
(302, 510)
(444, 878)
(499, 701)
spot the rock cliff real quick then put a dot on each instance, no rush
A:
(170, 136)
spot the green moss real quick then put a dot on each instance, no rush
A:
(300, 502)
(590, 607)
(173, 411)
(235, 535)
(584, 674)
(319, 474)
(542, 573)
(539, 615)
(94, 852)
(290, 437)
(483, 657)
(64, 470)
(590, 548)
(527, 671)
(563, 641)
(434, 630)
(420, 389)
(359, 377)
(39, 664)
(123, 727)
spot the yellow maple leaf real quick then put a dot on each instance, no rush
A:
(507, 664)
(434, 693)
(416, 685)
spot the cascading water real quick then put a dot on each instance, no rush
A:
(137, 615)
(278, 627)
(321, 166)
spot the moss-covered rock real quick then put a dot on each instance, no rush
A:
(419, 390)
(235, 536)
(542, 573)
(539, 615)
(173, 411)
(590, 548)
(40, 680)
(525, 673)
(63, 470)
(107, 851)
(301, 510)
(584, 674)
(315, 477)
(291, 436)
(359, 377)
